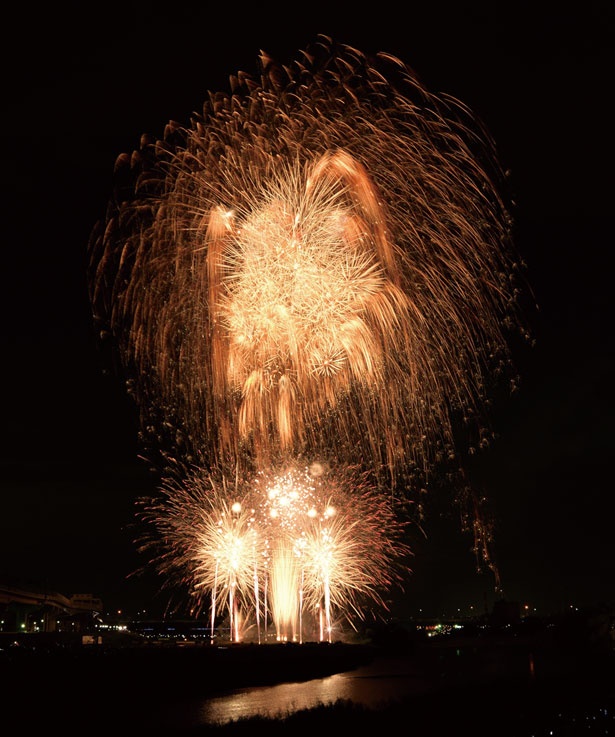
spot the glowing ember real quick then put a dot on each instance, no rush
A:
(319, 266)
(322, 260)
(336, 544)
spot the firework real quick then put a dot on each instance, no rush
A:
(320, 263)
(293, 549)
(318, 266)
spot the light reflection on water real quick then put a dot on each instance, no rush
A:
(385, 680)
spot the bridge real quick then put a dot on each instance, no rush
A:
(52, 602)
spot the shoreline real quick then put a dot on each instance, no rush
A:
(104, 687)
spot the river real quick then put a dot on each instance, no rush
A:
(189, 694)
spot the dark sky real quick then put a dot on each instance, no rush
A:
(81, 86)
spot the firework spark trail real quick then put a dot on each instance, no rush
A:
(202, 541)
(319, 267)
(314, 542)
(285, 586)
(320, 263)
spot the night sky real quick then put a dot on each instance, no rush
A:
(81, 84)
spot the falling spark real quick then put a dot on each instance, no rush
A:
(330, 543)
(320, 265)
(322, 259)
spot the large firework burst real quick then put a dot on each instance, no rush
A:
(290, 549)
(320, 264)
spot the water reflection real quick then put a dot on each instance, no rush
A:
(383, 681)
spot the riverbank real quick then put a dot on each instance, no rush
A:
(581, 705)
(500, 684)
(173, 668)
